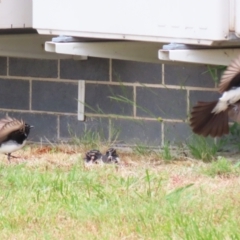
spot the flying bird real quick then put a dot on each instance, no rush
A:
(13, 135)
(211, 118)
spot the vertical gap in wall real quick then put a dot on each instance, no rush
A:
(110, 70)
(134, 101)
(7, 66)
(162, 136)
(30, 94)
(58, 127)
(163, 75)
(58, 68)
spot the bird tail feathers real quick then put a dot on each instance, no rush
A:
(205, 122)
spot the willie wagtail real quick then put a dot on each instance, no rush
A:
(96, 157)
(111, 156)
(211, 118)
(93, 157)
(13, 135)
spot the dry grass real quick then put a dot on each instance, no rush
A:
(47, 193)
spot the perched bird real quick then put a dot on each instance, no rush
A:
(111, 156)
(13, 135)
(93, 157)
(211, 118)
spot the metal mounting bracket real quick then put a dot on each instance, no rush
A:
(125, 50)
(201, 56)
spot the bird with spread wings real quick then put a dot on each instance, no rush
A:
(211, 118)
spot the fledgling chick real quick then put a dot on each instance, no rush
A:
(111, 156)
(13, 135)
(93, 157)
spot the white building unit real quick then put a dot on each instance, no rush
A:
(186, 21)
(15, 14)
(131, 27)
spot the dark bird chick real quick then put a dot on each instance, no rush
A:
(93, 157)
(13, 135)
(211, 118)
(111, 156)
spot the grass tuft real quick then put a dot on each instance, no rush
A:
(203, 148)
(221, 167)
(89, 139)
(166, 152)
(141, 149)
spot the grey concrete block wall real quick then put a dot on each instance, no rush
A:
(130, 71)
(137, 131)
(96, 69)
(195, 96)
(161, 102)
(14, 93)
(33, 68)
(188, 75)
(107, 99)
(54, 96)
(70, 126)
(137, 102)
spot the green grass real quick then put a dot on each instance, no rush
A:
(141, 202)
(221, 167)
(215, 72)
(207, 149)
(166, 152)
(203, 148)
(141, 149)
(89, 138)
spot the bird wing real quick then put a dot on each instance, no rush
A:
(231, 76)
(5, 120)
(9, 125)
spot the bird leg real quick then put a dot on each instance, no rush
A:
(9, 156)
